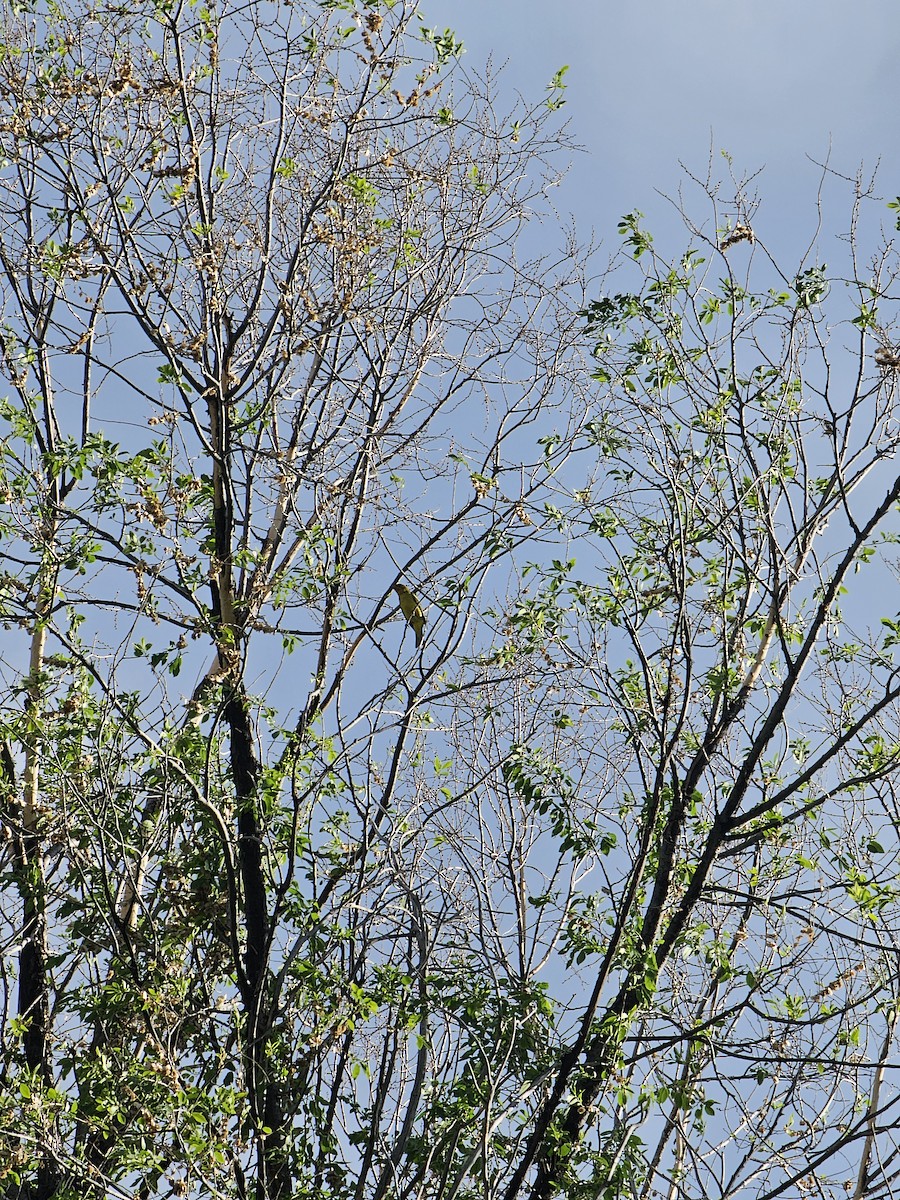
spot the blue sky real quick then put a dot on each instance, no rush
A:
(655, 81)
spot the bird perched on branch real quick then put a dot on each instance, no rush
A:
(412, 610)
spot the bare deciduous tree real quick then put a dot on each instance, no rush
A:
(270, 353)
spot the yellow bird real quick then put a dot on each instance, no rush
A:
(412, 610)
